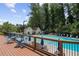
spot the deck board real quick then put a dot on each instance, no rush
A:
(9, 50)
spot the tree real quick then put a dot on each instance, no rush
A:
(35, 18)
(75, 11)
(70, 16)
(53, 17)
(45, 16)
(19, 27)
(57, 16)
(8, 27)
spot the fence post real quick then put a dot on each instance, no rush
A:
(34, 43)
(60, 48)
(42, 43)
(29, 38)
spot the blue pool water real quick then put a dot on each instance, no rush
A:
(72, 47)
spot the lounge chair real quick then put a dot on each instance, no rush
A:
(10, 40)
(20, 42)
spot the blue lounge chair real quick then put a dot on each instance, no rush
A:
(20, 40)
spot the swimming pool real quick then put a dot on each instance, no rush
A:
(68, 46)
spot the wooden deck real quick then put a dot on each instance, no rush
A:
(9, 50)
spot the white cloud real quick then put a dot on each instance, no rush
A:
(24, 11)
(11, 5)
(13, 10)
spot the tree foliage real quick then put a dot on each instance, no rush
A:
(8, 27)
(51, 17)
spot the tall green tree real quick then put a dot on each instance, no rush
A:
(52, 17)
(45, 16)
(35, 18)
(69, 11)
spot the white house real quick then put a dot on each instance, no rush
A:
(30, 30)
(38, 31)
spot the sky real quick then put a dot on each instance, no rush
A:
(14, 13)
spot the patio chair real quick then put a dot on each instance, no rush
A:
(23, 42)
(10, 40)
(20, 42)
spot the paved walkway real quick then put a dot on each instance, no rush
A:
(9, 50)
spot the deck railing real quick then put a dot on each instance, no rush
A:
(53, 47)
